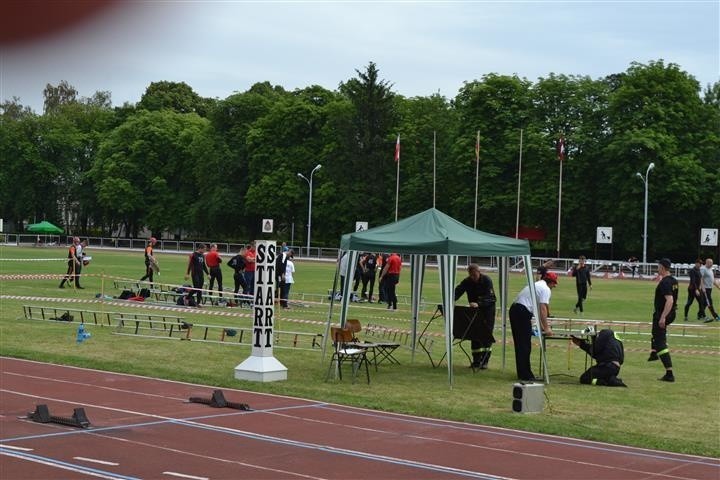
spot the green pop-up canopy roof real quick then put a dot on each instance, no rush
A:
(44, 227)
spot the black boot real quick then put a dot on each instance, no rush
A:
(62, 284)
(477, 360)
(485, 360)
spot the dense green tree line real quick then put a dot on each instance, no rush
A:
(213, 168)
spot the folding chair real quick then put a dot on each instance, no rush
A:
(345, 353)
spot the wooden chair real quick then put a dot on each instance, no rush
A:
(345, 353)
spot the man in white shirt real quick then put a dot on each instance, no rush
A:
(707, 280)
(521, 314)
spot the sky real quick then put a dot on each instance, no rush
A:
(420, 47)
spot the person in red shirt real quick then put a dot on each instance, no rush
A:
(213, 261)
(391, 275)
(250, 255)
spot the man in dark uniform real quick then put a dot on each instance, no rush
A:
(607, 350)
(74, 265)
(196, 268)
(237, 263)
(150, 261)
(695, 291)
(369, 264)
(480, 295)
(582, 281)
(665, 304)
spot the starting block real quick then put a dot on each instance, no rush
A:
(42, 415)
(218, 401)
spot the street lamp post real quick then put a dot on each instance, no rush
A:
(645, 180)
(310, 185)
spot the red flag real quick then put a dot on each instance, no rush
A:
(397, 149)
(477, 147)
(560, 148)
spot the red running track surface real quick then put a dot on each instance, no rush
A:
(145, 428)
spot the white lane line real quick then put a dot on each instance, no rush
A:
(11, 447)
(182, 475)
(95, 460)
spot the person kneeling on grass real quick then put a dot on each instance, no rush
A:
(608, 351)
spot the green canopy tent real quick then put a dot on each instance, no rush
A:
(434, 233)
(44, 227)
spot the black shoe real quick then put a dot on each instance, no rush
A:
(483, 366)
(475, 365)
(61, 285)
(667, 378)
(708, 320)
(81, 288)
(653, 357)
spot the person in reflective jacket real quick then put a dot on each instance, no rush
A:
(607, 350)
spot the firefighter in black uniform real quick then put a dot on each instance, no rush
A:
(607, 350)
(196, 268)
(481, 295)
(583, 280)
(695, 291)
(665, 304)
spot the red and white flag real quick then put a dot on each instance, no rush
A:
(560, 147)
(397, 149)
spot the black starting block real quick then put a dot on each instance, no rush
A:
(218, 401)
(42, 415)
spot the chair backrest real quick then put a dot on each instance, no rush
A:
(354, 326)
(340, 335)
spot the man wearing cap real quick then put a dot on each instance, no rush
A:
(150, 260)
(665, 304)
(521, 313)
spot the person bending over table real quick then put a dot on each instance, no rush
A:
(521, 314)
(607, 350)
(480, 295)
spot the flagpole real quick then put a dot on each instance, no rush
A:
(517, 214)
(560, 198)
(477, 171)
(434, 158)
(397, 175)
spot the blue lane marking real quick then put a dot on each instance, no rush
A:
(60, 463)
(529, 437)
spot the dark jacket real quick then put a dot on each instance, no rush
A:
(607, 348)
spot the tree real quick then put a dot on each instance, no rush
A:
(175, 96)
(54, 97)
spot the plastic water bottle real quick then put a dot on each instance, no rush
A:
(82, 335)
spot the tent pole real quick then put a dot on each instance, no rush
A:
(503, 303)
(332, 301)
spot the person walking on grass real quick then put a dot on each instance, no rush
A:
(74, 265)
(665, 304)
(708, 281)
(582, 282)
(695, 291)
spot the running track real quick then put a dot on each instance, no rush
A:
(145, 428)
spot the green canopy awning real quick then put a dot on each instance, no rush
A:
(44, 227)
(433, 232)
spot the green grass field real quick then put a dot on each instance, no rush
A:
(682, 417)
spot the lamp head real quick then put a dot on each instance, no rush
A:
(637, 174)
(651, 166)
(317, 167)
